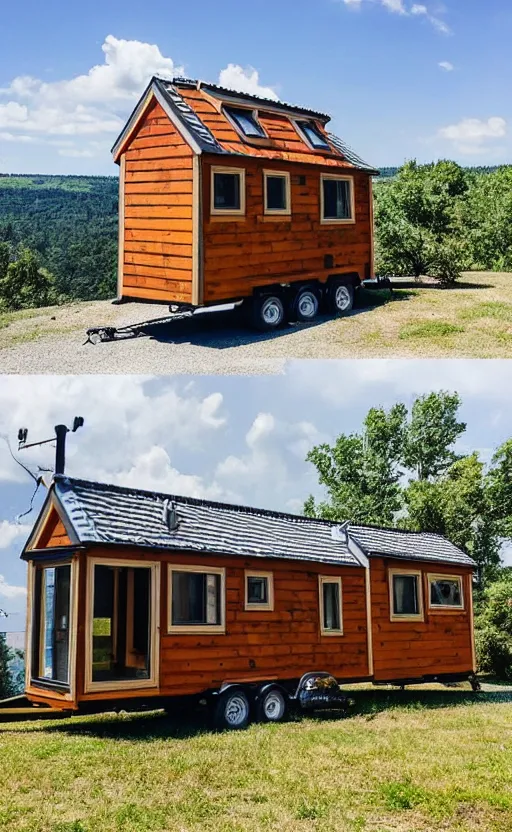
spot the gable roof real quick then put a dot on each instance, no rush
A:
(98, 513)
(423, 546)
(194, 107)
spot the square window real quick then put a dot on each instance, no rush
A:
(336, 199)
(330, 606)
(406, 599)
(277, 192)
(313, 135)
(196, 599)
(259, 590)
(228, 191)
(246, 121)
(445, 591)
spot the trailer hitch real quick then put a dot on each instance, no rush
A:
(104, 334)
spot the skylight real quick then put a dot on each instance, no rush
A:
(313, 135)
(247, 122)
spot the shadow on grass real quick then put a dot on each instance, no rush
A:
(156, 726)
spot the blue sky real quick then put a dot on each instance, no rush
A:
(401, 78)
(233, 439)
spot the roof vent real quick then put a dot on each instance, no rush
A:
(340, 533)
(170, 515)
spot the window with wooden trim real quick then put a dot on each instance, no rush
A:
(313, 135)
(337, 199)
(331, 610)
(228, 191)
(276, 192)
(196, 599)
(445, 592)
(259, 591)
(51, 624)
(246, 122)
(406, 600)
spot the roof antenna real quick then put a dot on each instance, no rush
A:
(170, 515)
(61, 432)
(340, 532)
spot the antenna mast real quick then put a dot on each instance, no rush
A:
(61, 432)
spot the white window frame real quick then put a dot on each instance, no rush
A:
(197, 628)
(254, 114)
(330, 579)
(269, 604)
(227, 212)
(154, 649)
(298, 129)
(330, 220)
(279, 212)
(420, 615)
(431, 577)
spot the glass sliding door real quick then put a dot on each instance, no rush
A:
(52, 612)
(121, 623)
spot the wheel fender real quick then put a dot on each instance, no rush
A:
(349, 279)
(260, 693)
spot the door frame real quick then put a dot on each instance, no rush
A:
(154, 636)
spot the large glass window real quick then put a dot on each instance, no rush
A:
(196, 598)
(121, 625)
(445, 591)
(52, 608)
(228, 191)
(406, 595)
(336, 199)
(330, 606)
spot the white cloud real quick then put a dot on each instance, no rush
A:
(247, 80)
(10, 591)
(9, 532)
(399, 7)
(471, 135)
(76, 153)
(446, 65)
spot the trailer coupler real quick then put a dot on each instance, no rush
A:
(376, 283)
(103, 334)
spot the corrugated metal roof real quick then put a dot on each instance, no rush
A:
(112, 514)
(422, 546)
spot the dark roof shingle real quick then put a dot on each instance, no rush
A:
(411, 545)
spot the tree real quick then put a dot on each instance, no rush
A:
(402, 471)
(494, 628)
(25, 284)
(7, 686)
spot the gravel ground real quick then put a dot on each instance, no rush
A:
(473, 320)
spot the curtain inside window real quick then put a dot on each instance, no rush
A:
(331, 596)
(405, 595)
(195, 598)
(337, 199)
(445, 593)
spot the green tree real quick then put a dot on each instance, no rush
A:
(494, 628)
(26, 284)
(7, 686)
(487, 216)
(431, 432)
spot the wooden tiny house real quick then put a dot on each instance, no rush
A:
(225, 197)
(137, 597)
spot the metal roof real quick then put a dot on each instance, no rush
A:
(422, 546)
(111, 514)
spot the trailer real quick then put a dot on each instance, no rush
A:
(226, 197)
(141, 600)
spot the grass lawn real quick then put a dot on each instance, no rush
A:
(412, 761)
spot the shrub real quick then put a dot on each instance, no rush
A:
(26, 284)
(494, 629)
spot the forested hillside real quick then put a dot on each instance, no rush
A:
(71, 223)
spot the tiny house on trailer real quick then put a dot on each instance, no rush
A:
(139, 599)
(227, 197)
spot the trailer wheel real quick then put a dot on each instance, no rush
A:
(272, 706)
(340, 298)
(267, 312)
(305, 306)
(233, 710)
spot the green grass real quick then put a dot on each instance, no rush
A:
(429, 329)
(500, 311)
(411, 761)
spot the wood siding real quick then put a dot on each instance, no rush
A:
(241, 253)
(279, 644)
(53, 532)
(157, 211)
(441, 643)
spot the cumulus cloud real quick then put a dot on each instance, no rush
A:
(446, 65)
(472, 135)
(9, 591)
(247, 80)
(400, 7)
(9, 532)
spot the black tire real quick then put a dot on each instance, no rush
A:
(232, 710)
(273, 705)
(305, 306)
(340, 298)
(267, 312)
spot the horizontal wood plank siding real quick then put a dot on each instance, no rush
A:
(256, 250)
(283, 643)
(157, 263)
(411, 649)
